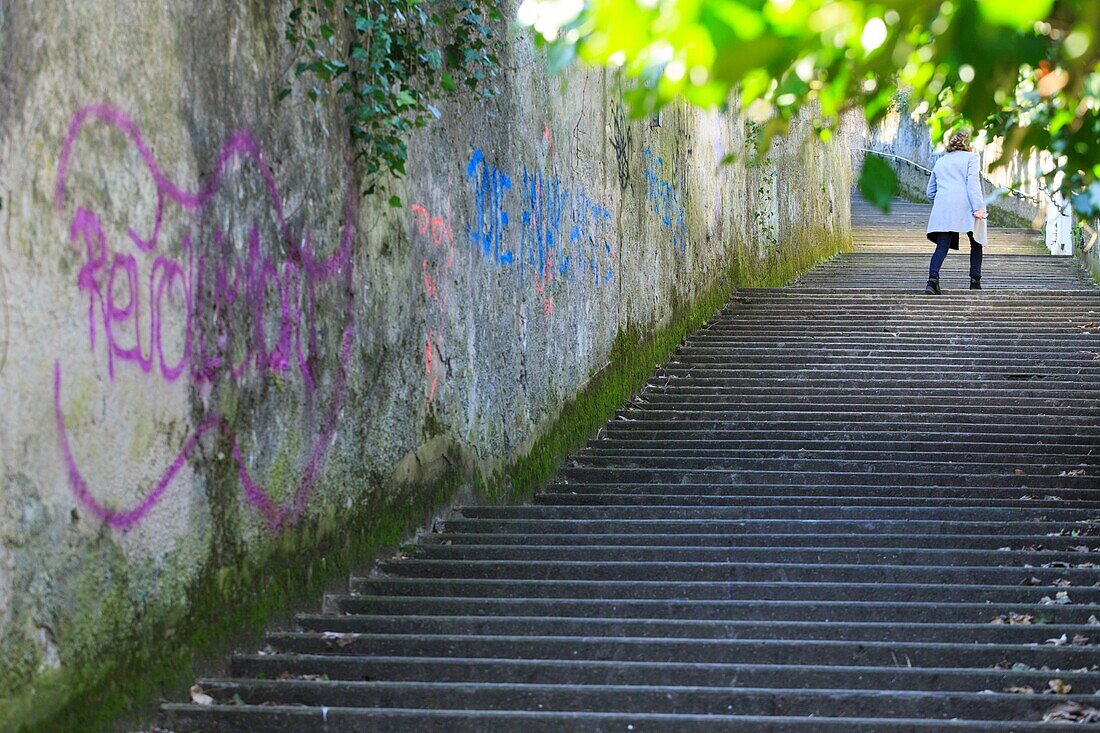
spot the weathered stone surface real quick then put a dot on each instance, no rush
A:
(206, 334)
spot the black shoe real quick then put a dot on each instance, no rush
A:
(933, 287)
(975, 283)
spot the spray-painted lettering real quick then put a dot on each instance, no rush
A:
(663, 198)
(436, 276)
(242, 314)
(563, 230)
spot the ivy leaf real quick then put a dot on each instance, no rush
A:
(447, 81)
(877, 182)
(395, 201)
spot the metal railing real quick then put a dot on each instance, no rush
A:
(1058, 217)
(1006, 189)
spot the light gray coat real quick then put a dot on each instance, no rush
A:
(955, 190)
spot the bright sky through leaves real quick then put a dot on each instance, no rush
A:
(1026, 70)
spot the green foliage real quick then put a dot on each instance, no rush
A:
(390, 62)
(877, 182)
(1024, 70)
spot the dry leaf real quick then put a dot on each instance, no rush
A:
(1073, 712)
(1020, 690)
(1061, 598)
(199, 697)
(1058, 687)
(341, 640)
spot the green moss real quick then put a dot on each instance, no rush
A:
(1092, 262)
(156, 657)
(998, 217)
(21, 659)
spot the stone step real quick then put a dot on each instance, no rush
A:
(629, 698)
(722, 651)
(278, 719)
(1074, 539)
(995, 595)
(587, 672)
(720, 610)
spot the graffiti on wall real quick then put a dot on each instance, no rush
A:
(663, 198)
(564, 232)
(249, 306)
(436, 230)
(621, 139)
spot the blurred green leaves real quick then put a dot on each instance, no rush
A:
(1024, 70)
(877, 182)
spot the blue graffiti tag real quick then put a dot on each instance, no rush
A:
(491, 218)
(664, 199)
(561, 229)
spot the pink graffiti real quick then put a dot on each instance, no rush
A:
(436, 278)
(235, 312)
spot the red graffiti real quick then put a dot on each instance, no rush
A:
(436, 277)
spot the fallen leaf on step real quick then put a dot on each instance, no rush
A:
(1061, 598)
(1022, 619)
(199, 697)
(1073, 712)
(1062, 640)
(340, 640)
(1020, 690)
(1088, 326)
(1020, 472)
(1058, 687)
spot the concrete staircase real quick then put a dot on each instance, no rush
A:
(841, 506)
(902, 230)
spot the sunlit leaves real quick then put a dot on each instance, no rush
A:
(877, 182)
(1021, 69)
(1019, 14)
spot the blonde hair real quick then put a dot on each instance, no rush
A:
(959, 141)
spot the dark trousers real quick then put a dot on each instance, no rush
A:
(943, 241)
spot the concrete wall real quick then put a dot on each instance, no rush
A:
(207, 337)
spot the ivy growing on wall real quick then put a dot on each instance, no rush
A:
(391, 62)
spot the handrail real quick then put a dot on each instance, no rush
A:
(1057, 226)
(1008, 189)
(896, 157)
